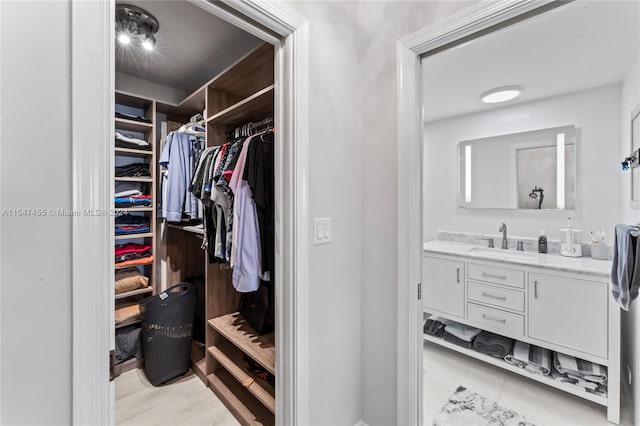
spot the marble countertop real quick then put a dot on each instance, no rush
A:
(581, 265)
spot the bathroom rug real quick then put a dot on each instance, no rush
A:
(466, 408)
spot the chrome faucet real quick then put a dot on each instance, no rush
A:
(503, 229)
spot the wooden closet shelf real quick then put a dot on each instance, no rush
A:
(127, 365)
(134, 292)
(131, 266)
(133, 126)
(196, 229)
(232, 360)
(131, 100)
(131, 236)
(242, 404)
(134, 209)
(238, 331)
(133, 152)
(257, 106)
(133, 179)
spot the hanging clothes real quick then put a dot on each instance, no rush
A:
(235, 184)
(178, 159)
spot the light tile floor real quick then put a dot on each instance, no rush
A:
(184, 402)
(445, 370)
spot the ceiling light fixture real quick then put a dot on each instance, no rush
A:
(501, 94)
(149, 42)
(132, 23)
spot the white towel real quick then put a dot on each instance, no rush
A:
(579, 369)
(532, 358)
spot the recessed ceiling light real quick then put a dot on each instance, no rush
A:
(501, 94)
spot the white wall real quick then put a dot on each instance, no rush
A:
(149, 89)
(381, 25)
(335, 278)
(596, 115)
(35, 172)
(631, 319)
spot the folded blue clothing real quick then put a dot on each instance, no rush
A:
(132, 231)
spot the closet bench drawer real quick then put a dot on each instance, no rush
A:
(491, 274)
(501, 297)
(495, 319)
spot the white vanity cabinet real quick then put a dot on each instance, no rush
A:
(444, 291)
(569, 312)
(564, 310)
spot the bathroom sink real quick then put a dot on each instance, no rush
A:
(499, 253)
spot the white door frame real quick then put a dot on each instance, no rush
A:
(93, 83)
(409, 50)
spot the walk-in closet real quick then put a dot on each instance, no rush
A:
(194, 203)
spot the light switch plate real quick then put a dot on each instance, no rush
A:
(321, 230)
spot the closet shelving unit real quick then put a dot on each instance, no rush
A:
(146, 131)
(242, 93)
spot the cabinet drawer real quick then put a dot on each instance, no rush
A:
(495, 319)
(491, 274)
(501, 297)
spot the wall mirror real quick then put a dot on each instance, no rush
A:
(526, 170)
(635, 146)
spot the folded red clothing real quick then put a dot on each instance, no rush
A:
(131, 227)
(131, 248)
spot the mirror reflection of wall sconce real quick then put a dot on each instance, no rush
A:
(534, 194)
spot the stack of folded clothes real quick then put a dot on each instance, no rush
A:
(492, 344)
(126, 313)
(129, 279)
(130, 224)
(133, 170)
(532, 358)
(128, 189)
(461, 335)
(133, 117)
(434, 327)
(132, 254)
(585, 374)
(133, 201)
(130, 141)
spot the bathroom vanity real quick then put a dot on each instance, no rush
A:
(559, 303)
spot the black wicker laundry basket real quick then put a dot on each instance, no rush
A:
(167, 327)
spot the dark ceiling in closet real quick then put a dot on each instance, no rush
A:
(192, 46)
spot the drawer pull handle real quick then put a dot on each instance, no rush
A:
(493, 296)
(503, 321)
(535, 289)
(501, 277)
(458, 275)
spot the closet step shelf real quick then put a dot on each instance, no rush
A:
(133, 152)
(133, 126)
(133, 179)
(126, 323)
(238, 400)
(548, 380)
(134, 292)
(232, 360)
(238, 331)
(259, 105)
(132, 236)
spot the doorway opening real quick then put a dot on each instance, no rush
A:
(228, 112)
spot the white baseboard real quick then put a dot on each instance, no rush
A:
(360, 423)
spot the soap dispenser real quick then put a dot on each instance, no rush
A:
(571, 246)
(542, 241)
